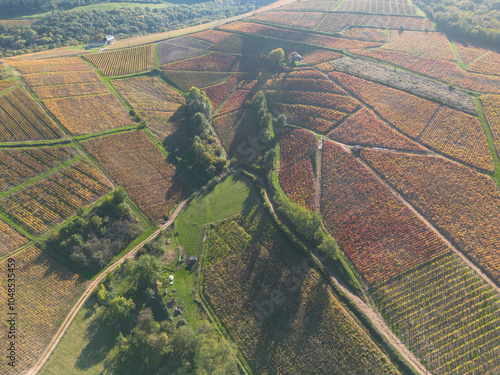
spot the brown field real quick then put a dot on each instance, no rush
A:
(56, 52)
(61, 64)
(170, 128)
(6, 84)
(186, 80)
(90, 114)
(136, 163)
(149, 94)
(61, 91)
(427, 44)
(46, 79)
(21, 22)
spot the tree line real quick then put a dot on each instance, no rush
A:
(66, 28)
(476, 21)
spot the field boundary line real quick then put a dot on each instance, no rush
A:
(488, 132)
(429, 124)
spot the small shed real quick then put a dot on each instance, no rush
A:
(107, 41)
(110, 39)
(193, 259)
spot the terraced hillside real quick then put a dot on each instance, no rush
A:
(368, 135)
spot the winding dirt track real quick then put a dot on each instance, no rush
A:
(88, 291)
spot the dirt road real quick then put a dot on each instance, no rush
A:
(88, 291)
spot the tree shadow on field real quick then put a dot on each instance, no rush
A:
(102, 338)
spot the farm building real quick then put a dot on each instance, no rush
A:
(107, 41)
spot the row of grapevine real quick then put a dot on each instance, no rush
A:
(10, 239)
(236, 101)
(216, 62)
(336, 102)
(149, 94)
(303, 84)
(335, 22)
(238, 133)
(56, 78)
(297, 36)
(445, 71)
(303, 20)
(468, 52)
(381, 235)
(408, 113)
(447, 314)
(463, 204)
(491, 109)
(186, 80)
(47, 202)
(404, 8)
(310, 117)
(121, 62)
(73, 89)
(18, 165)
(426, 44)
(297, 174)
(46, 292)
(366, 129)
(366, 33)
(487, 64)
(218, 93)
(21, 118)
(137, 164)
(90, 114)
(248, 262)
(460, 136)
(60, 65)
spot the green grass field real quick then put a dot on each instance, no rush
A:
(230, 197)
(82, 350)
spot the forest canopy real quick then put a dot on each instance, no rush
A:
(65, 28)
(477, 21)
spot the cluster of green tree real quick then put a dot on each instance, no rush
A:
(208, 154)
(477, 20)
(267, 138)
(90, 241)
(4, 74)
(23, 7)
(65, 28)
(148, 342)
(157, 247)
